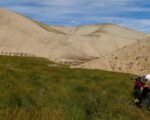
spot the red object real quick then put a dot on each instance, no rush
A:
(139, 84)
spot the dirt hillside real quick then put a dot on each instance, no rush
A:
(73, 45)
(134, 58)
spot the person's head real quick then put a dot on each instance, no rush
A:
(147, 78)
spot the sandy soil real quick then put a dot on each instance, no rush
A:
(22, 36)
(134, 58)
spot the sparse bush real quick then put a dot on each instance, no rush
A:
(146, 59)
(137, 58)
(116, 57)
(120, 68)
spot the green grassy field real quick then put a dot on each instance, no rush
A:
(36, 89)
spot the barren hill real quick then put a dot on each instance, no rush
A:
(134, 58)
(24, 37)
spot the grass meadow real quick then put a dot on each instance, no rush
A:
(37, 89)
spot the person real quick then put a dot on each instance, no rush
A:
(138, 85)
(140, 88)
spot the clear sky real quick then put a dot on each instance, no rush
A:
(134, 14)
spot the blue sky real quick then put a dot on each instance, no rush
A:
(134, 14)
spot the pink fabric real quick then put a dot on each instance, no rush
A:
(138, 84)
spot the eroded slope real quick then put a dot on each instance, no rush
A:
(134, 58)
(24, 37)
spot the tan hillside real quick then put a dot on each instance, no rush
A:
(22, 36)
(134, 58)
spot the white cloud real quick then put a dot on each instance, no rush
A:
(76, 12)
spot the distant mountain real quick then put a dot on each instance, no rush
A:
(70, 45)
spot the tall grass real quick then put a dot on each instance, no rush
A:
(36, 89)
